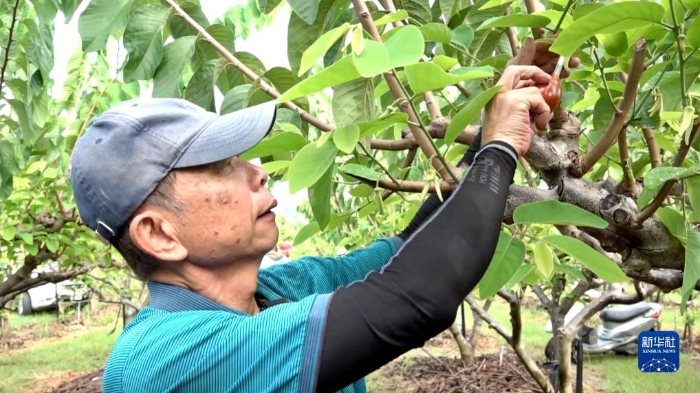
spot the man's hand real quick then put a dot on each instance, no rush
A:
(513, 110)
(538, 55)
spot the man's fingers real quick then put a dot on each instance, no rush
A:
(516, 74)
(541, 112)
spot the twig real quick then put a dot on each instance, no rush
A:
(406, 185)
(512, 37)
(264, 86)
(663, 193)
(516, 343)
(563, 14)
(531, 7)
(466, 350)
(587, 162)
(680, 38)
(654, 151)
(9, 46)
(463, 90)
(628, 176)
(405, 104)
(493, 324)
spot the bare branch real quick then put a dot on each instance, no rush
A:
(42, 278)
(10, 36)
(406, 185)
(654, 151)
(466, 351)
(443, 168)
(264, 86)
(628, 183)
(587, 162)
(493, 324)
(517, 323)
(512, 38)
(663, 193)
(531, 7)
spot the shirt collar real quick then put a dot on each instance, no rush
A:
(174, 298)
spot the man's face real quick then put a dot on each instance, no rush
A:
(227, 215)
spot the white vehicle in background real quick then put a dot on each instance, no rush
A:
(47, 296)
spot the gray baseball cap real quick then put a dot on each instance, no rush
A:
(130, 148)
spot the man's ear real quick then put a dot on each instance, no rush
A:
(153, 232)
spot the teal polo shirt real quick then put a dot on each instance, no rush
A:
(184, 342)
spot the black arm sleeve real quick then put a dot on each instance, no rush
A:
(417, 294)
(433, 202)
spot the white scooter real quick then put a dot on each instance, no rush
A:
(622, 325)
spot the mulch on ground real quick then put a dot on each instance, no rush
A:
(444, 375)
(86, 383)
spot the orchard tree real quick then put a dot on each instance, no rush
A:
(379, 100)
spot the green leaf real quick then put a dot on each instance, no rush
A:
(50, 173)
(357, 41)
(361, 171)
(566, 269)
(306, 9)
(101, 19)
(405, 47)
(693, 33)
(647, 196)
(494, 3)
(319, 48)
(424, 77)
(469, 113)
(691, 5)
(660, 175)
(275, 166)
(306, 232)
(320, 198)
(436, 32)
(592, 259)
(282, 143)
(234, 99)
(419, 10)
(509, 256)
(556, 213)
(463, 35)
(8, 233)
(346, 138)
(614, 44)
(353, 102)
(27, 238)
(200, 89)
(52, 244)
(301, 35)
(340, 72)
(7, 168)
(611, 18)
(674, 221)
(36, 166)
(693, 185)
(391, 18)
(176, 55)
(373, 60)
(397, 118)
(691, 271)
(544, 259)
(361, 191)
(524, 270)
(267, 6)
(144, 41)
(309, 165)
(515, 20)
(179, 27)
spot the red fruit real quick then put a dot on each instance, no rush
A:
(551, 92)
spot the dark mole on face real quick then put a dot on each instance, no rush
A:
(207, 200)
(223, 199)
(238, 240)
(216, 233)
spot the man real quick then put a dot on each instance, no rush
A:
(159, 179)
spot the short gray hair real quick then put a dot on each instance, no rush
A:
(142, 263)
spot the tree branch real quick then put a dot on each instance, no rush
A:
(587, 162)
(264, 86)
(531, 7)
(654, 151)
(42, 278)
(443, 168)
(406, 185)
(663, 193)
(466, 351)
(10, 35)
(493, 324)
(517, 323)
(628, 183)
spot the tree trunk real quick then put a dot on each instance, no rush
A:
(466, 350)
(565, 370)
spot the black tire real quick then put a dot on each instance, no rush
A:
(25, 305)
(550, 350)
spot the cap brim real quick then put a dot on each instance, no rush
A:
(230, 135)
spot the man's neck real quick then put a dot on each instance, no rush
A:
(232, 286)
